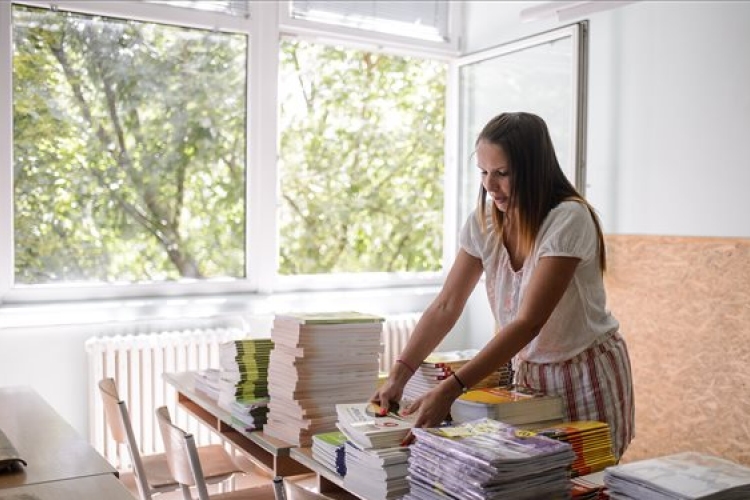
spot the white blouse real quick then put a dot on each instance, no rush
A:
(580, 317)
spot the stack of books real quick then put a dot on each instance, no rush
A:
(512, 405)
(440, 365)
(683, 476)
(318, 360)
(487, 459)
(328, 450)
(376, 464)
(589, 487)
(591, 441)
(207, 382)
(243, 381)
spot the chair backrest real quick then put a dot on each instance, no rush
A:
(118, 420)
(182, 454)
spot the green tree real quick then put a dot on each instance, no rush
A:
(361, 161)
(129, 150)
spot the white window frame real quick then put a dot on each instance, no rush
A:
(267, 23)
(576, 172)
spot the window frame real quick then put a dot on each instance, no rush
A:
(264, 28)
(576, 172)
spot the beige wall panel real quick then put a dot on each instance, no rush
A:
(684, 309)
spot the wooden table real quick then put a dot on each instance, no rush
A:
(80, 488)
(270, 452)
(52, 449)
(279, 457)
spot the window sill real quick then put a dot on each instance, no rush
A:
(241, 306)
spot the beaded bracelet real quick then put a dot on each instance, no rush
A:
(407, 365)
(460, 382)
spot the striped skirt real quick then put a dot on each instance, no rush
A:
(595, 385)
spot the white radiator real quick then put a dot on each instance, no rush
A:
(136, 361)
(396, 332)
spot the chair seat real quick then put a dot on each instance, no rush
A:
(218, 465)
(264, 492)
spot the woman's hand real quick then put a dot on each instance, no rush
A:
(390, 392)
(393, 388)
(433, 407)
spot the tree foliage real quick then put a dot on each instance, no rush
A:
(130, 165)
(361, 161)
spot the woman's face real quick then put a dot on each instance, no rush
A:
(494, 167)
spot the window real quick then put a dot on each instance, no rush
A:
(427, 20)
(543, 74)
(361, 161)
(129, 150)
(135, 138)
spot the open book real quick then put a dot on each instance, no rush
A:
(10, 460)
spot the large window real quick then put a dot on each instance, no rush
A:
(129, 150)
(361, 161)
(543, 74)
(134, 158)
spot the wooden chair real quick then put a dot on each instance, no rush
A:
(151, 473)
(186, 465)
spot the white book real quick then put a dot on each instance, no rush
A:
(683, 476)
(368, 431)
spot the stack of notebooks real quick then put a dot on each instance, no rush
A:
(487, 459)
(328, 450)
(514, 406)
(440, 365)
(683, 476)
(318, 360)
(591, 441)
(376, 464)
(243, 381)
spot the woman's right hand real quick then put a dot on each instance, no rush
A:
(393, 388)
(390, 391)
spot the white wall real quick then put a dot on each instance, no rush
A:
(669, 116)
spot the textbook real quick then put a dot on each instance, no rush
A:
(682, 476)
(376, 474)
(328, 449)
(591, 441)
(368, 431)
(487, 459)
(440, 365)
(510, 405)
(317, 361)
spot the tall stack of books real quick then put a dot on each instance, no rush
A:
(376, 463)
(683, 476)
(487, 459)
(512, 405)
(243, 381)
(318, 360)
(440, 365)
(591, 441)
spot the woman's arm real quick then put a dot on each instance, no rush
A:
(546, 287)
(434, 325)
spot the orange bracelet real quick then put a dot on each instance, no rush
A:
(407, 365)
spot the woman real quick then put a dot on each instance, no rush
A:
(541, 248)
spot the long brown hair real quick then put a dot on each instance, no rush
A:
(538, 184)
